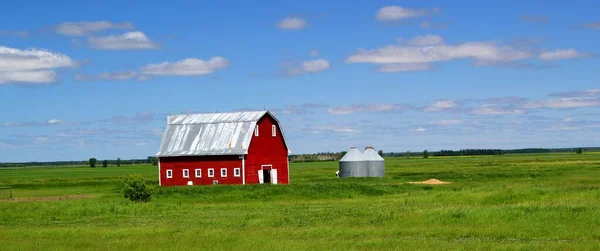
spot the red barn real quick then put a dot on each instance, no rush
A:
(223, 148)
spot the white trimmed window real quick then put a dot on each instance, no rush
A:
(186, 173)
(169, 174)
(256, 131)
(223, 172)
(211, 172)
(273, 130)
(198, 173)
(236, 172)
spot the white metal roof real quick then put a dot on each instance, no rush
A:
(370, 155)
(210, 133)
(352, 155)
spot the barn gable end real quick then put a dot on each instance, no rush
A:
(223, 142)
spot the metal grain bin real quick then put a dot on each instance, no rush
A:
(375, 163)
(353, 164)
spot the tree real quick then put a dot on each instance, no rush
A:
(425, 154)
(380, 152)
(155, 162)
(408, 154)
(135, 189)
(118, 162)
(93, 162)
(579, 151)
(105, 163)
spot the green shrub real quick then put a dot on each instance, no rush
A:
(135, 189)
(93, 162)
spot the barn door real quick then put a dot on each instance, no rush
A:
(274, 176)
(261, 178)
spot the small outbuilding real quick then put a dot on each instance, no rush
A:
(375, 163)
(357, 164)
(352, 164)
(223, 148)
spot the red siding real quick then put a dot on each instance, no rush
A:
(177, 164)
(267, 150)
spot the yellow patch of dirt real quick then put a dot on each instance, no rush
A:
(431, 182)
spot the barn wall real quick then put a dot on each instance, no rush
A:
(177, 164)
(267, 150)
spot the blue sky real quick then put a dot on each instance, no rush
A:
(98, 80)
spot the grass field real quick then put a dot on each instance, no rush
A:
(528, 202)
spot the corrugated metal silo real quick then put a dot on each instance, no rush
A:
(375, 163)
(353, 164)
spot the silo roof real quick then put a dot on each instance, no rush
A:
(352, 155)
(371, 155)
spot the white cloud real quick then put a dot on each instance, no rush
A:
(309, 66)
(591, 25)
(186, 67)
(292, 23)
(432, 25)
(403, 67)
(21, 33)
(129, 40)
(448, 122)
(31, 77)
(423, 40)
(53, 121)
(391, 13)
(87, 28)
(477, 51)
(441, 105)
(31, 65)
(315, 65)
(123, 75)
(365, 108)
(333, 128)
(563, 103)
(418, 129)
(496, 110)
(575, 94)
(562, 54)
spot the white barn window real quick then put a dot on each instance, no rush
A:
(169, 174)
(186, 173)
(236, 172)
(256, 131)
(198, 173)
(273, 130)
(223, 172)
(211, 172)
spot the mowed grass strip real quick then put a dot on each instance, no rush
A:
(534, 201)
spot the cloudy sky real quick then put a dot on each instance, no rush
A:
(98, 80)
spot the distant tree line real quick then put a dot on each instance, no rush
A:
(321, 156)
(474, 152)
(118, 162)
(469, 152)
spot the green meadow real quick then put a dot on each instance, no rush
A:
(523, 202)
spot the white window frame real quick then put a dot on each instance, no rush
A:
(186, 171)
(273, 130)
(256, 131)
(211, 172)
(237, 172)
(198, 173)
(169, 173)
(223, 171)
